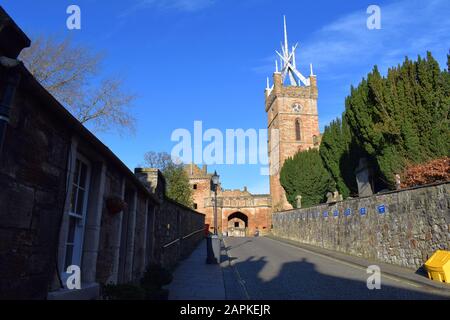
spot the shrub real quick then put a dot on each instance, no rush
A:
(156, 294)
(150, 288)
(127, 291)
(156, 277)
(433, 171)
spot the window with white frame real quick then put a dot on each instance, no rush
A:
(77, 213)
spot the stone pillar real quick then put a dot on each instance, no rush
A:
(93, 222)
(145, 237)
(398, 183)
(140, 238)
(131, 230)
(150, 234)
(277, 82)
(298, 200)
(116, 225)
(313, 86)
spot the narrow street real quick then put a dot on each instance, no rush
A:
(269, 269)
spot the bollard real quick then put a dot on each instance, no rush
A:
(210, 257)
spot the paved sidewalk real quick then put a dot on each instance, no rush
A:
(195, 280)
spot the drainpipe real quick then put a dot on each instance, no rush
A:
(11, 81)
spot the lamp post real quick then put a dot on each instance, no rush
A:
(215, 182)
(213, 244)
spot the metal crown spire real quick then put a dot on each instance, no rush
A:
(289, 68)
(285, 36)
(288, 64)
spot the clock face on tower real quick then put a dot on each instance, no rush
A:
(297, 107)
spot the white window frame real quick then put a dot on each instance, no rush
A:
(77, 251)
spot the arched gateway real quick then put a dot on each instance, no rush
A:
(237, 225)
(239, 212)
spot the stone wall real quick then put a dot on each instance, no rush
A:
(178, 229)
(42, 148)
(402, 228)
(109, 246)
(34, 177)
(32, 184)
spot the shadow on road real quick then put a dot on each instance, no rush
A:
(300, 280)
(239, 245)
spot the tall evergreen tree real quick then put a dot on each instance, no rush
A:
(402, 118)
(304, 174)
(340, 155)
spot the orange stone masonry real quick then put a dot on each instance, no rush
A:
(286, 105)
(238, 211)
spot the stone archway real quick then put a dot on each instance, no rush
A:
(237, 224)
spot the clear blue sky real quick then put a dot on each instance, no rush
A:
(208, 60)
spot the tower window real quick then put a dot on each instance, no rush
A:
(298, 135)
(195, 206)
(194, 187)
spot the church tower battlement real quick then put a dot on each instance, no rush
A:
(292, 115)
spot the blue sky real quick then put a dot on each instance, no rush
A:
(208, 60)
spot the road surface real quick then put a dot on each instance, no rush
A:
(273, 270)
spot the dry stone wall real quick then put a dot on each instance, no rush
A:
(402, 228)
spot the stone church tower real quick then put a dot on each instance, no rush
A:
(293, 121)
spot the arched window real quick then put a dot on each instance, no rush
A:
(298, 135)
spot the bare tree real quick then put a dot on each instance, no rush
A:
(158, 160)
(71, 73)
(177, 180)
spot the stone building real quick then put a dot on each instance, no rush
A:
(239, 213)
(292, 117)
(67, 200)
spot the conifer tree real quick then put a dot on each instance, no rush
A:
(340, 155)
(304, 174)
(403, 118)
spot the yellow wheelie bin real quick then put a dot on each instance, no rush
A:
(438, 266)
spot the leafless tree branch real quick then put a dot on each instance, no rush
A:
(71, 72)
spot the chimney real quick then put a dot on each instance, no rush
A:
(153, 180)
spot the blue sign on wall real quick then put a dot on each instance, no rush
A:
(347, 212)
(381, 209)
(325, 214)
(362, 211)
(336, 213)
